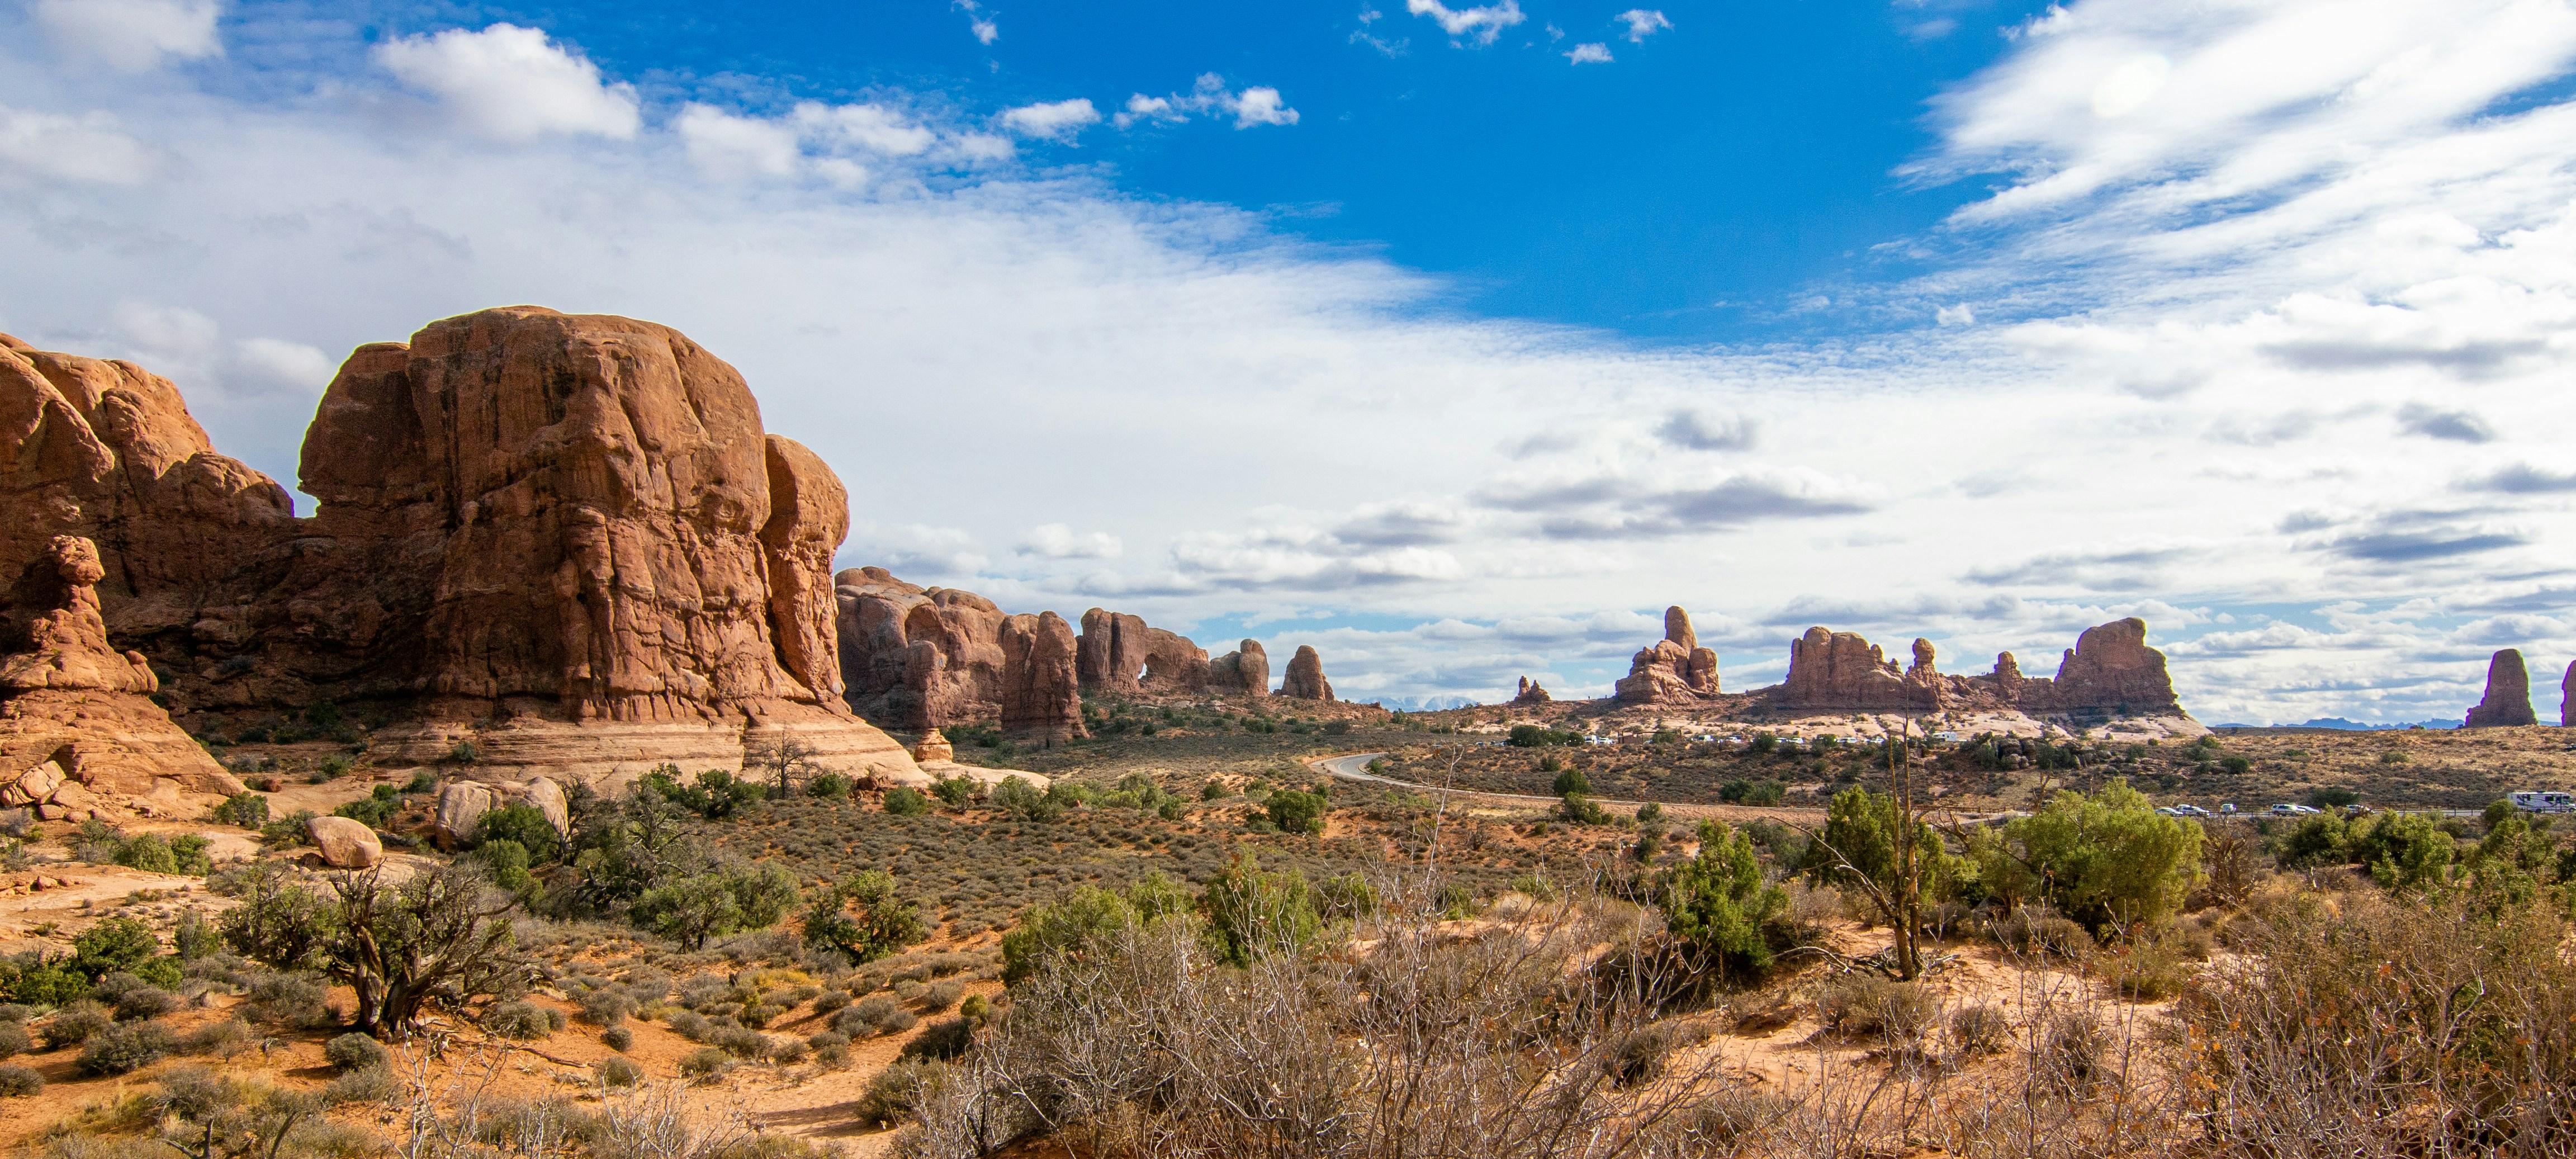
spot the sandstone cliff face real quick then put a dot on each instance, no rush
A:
(76, 722)
(2111, 669)
(108, 452)
(572, 527)
(2508, 697)
(923, 658)
(1305, 677)
(1675, 670)
(2567, 698)
(1831, 670)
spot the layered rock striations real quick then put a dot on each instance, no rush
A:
(2111, 672)
(2508, 695)
(1305, 677)
(1674, 670)
(566, 537)
(78, 727)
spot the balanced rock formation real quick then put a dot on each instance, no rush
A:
(571, 527)
(1530, 693)
(2508, 696)
(933, 746)
(924, 658)
(76, 718)
(1305, 677)
(1675, 670)
(1242, 672)
(1122, 656)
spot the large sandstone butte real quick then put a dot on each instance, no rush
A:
(2109, 671)
(1305, 677)
(1674, 670)
(78, 727)
(2567, 698)
(563, 537)
(2508, 695)
(924, 658)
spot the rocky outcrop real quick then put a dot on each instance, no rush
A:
(1305, 677)
(77, 722)
(1242, 672)
(345, 844)
(1122, 656)
(924, 658)
(2567, 698)
(462, 804)
(1841, 670)
(1675, 670)
(2508, 697)
(2109, 672)
(1530, 693)
(570, 526)
(933, 746)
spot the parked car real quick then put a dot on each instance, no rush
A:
(2286, 810)
(2191, 811)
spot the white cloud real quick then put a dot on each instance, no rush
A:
(1958, 315)
(1256, 105)
(131, 35)
(1482, 24)
(1058, 541)
(89, 147)
(914, 549)
(188, 347)
(512, 84)
(1589, 54)
(1643, 22)
(724, 145)
(1058, 119)
(277, 363)
(875, 128)
(985, 29)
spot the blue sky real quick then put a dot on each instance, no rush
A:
(1455, 340)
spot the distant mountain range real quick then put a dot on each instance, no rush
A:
(2337, 722)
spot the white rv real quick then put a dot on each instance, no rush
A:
(2533, 801)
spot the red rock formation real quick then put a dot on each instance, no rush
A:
(1305, 678)
(107, 451)
(1242, 672)
(1530, 693)
(2508, 697)
(1840, 670)
(2111, 669)
(922, 658)
(1675, 670)
(76, 721)
(1122, 656)
(2567, 698)
(572, 526)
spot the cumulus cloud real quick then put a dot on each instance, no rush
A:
(1642, 23)
(985, 29)
(1060, 120)
(1701, 430)
(2459, 426)
(914, 549)
(1483, 24)
(188, 346)
(131, 35)
(2525, 479)
(1255, 105)
(724, 145)
(1589, 54)
(513, 84)
(88, 147)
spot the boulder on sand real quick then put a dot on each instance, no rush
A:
(345, 843)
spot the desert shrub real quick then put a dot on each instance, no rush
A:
(617, 1038)
(605, 1007)
(739, 1041)
(132, 1046)
(706, 1062)
(1020, 800)
(1980, 1028)
(289, 830)
(1345, 896)
(522, 1020)
(1718, 905)
(141, 1000)
(865, 917)
(76, 1024)
(18, 1082)
(2040, 930)
(727, 899)
(2149, 968)
(522, 823)
(828, 787)
(619, 1072)
(905, 802)
(112, 945)
(442, 934)
(939, 996)
(2102, 860)
(2071, 1048)
(377, 808)
(714, 795)
(894, 1093)
(1857, 851)
(222, 1039)
(1213, 790)
(14, 1040)
(1571, 781)
(366, 1084)
(1531, 736)
(955, 792)
(1080, 923)
(830, 1000)
(1581, 810)
(293, 998)
(354, 1052)
(944, 1039)
(1863, 1006)
(1252, 912)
